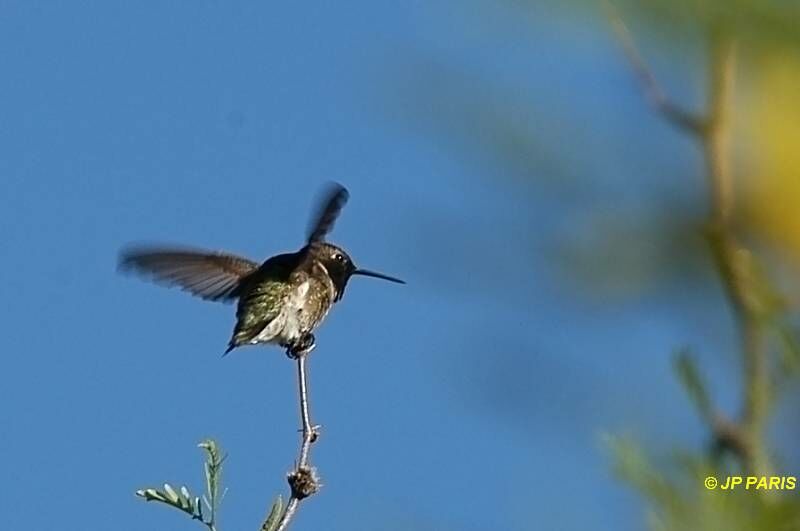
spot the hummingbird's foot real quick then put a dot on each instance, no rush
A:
(302, 347)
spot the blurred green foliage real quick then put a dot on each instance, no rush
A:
(626, 253)
(678, 498)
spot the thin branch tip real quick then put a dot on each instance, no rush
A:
(303, 480)
(679, 117)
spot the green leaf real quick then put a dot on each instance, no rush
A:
(186, 500)
(274, 516)
(151, 495)
(186, 503)
(183, 499)
(171, 494)
(213, 472)
(168, 497)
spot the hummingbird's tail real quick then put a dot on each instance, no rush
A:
(228, 350)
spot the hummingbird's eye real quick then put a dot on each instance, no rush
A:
(339, 257)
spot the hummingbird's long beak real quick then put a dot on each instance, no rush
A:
(368, 273)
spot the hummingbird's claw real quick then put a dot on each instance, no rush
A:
(302, 347)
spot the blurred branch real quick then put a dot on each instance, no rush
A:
(726, 434)
(689, 376)
(733, 261)
(681, 118)
(303, 480)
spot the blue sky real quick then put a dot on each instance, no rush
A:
(475, 397)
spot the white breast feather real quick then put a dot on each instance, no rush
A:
(286, 327)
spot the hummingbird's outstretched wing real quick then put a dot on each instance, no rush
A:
(211, 276)
(330, 205)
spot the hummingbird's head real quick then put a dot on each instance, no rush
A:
(340, 266)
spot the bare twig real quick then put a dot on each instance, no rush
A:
(676, 115)
(733, 261)
(288, 514)
(309, 433)
(303, 479)
(738, 262)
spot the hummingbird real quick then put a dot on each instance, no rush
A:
(281, 301)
